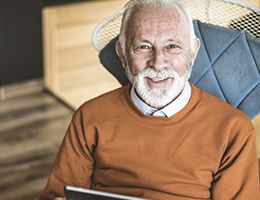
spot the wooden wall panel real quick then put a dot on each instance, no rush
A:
(51, 63)
(72, 68)
(253, 2)
(92, 11)
(74, 36)
(76, 57)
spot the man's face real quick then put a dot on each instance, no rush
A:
(158, 54)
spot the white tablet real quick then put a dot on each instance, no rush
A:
(77, 193)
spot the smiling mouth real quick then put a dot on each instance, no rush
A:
(158, 81)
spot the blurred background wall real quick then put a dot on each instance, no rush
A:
(20, 41)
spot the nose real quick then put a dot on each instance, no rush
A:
(158, 60)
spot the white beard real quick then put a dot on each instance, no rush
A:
(158, 97)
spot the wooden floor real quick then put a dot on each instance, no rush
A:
(31, 129)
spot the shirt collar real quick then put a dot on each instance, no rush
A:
(175, 106)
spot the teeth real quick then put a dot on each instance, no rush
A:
(158, 78)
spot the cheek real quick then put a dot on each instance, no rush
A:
(137, 64)
(179, 64)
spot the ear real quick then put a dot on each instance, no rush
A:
(195, 50)
(119, 53)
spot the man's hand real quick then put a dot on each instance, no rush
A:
(59, 198)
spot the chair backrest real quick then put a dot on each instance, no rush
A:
(228, 62)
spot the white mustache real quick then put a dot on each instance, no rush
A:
(158, 75)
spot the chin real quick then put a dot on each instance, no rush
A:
(158, 97)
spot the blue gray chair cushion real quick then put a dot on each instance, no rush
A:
(227, 66)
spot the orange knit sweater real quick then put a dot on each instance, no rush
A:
(205, 151)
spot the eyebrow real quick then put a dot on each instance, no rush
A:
(176, 40)
(135, 43)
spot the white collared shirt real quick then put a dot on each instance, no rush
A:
(178, 104)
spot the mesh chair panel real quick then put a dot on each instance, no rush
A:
(107, 30)
(227, 14)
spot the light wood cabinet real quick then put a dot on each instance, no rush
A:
(255, 3)
(71, 66)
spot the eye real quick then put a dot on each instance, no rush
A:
(145, 47)
(171, 46)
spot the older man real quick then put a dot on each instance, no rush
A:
(160, 137)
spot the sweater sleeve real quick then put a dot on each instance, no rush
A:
(237, 177)
(74, 162)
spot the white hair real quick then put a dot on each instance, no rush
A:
(134, 4)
